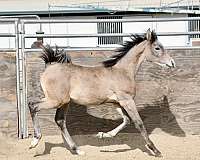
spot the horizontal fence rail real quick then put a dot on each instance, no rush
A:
(10, 20)
(104, 35)
(7, 35)
(109, 48)
(8, 50)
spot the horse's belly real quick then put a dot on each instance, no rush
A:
(86, 97)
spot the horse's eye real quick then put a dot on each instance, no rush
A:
(157, 48)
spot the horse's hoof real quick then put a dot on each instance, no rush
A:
(155, 152)
(159, 155)
(100, 135)
(34, 143)
(104, 135)
(79, 152)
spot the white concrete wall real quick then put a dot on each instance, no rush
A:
(163, 27)
(180, 26)
(136, 27)
(4, 41)
(63, 28)
(91, 28)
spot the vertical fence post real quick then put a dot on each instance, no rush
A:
(21, 81)
(18, 87)
(24, 85)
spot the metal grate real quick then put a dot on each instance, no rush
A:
(109, 27)
(194, 26)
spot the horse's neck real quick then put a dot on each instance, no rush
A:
(133, 59)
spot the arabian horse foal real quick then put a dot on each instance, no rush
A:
(111, 82)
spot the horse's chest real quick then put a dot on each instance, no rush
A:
(131, 90)
(126, 86)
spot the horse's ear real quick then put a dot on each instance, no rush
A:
(148, 35)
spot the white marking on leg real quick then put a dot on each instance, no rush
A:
(116, 130)
(99, 134)
(34, 142)
(80, 152)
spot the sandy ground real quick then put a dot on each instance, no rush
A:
(123, 147)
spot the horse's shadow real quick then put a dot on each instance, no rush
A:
(154, 116)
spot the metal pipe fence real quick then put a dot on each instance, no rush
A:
(21, 51)
(19, 71)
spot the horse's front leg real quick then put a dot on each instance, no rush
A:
(33, 107)
(128, 104)
(116, 130)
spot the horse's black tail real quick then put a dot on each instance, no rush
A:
(58, 56)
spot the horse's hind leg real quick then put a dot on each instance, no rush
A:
(33, 107)
(60, 119)
(116, 130)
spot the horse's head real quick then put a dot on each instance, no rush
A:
(156, 53)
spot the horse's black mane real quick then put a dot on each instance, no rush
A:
(136, 39)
